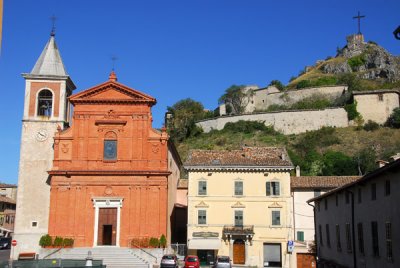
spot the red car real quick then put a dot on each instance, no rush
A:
(192, 261)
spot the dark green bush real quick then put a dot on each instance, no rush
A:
(371, 126)
(163, 241)
(244, 126)
(351, 110)
(68, 242)
(394, 119)
(303, 84)
(45, 241)
(58, 241)
(153, 242)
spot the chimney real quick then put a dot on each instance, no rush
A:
(297, 171)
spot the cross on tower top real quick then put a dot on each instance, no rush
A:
(113, 58)
(53, 27)
(359, 17)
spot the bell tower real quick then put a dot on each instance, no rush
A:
(46, 109)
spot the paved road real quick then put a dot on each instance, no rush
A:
(4, 254)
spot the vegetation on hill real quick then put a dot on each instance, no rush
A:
(328, 151)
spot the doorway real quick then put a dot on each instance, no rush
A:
(107, 227)
(239, 252)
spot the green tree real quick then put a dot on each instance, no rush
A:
(365, 160)
(394, 119)
(237, 97)
(338, 164)
(351, 80)
(278, 84)
(184, 115)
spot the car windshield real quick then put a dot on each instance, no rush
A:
(169, 257)
(223, 259)
(4, 239)
(192, 259)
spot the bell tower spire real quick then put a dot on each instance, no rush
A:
(46, 109)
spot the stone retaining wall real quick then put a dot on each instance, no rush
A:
(286, 122)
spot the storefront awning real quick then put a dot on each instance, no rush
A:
(204, 243)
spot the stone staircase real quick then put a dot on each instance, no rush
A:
(113, 257)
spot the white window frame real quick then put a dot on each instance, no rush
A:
(234, 216)
(272, 218)
(271, 188)
(198, 187)
(234, 187)
(198, 214)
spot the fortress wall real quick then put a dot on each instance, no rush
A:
(293, 96)
(287, 122)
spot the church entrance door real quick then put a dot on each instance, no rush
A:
(107, 227)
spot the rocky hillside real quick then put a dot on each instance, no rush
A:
(365, 60)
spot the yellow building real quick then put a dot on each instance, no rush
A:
(239, 205)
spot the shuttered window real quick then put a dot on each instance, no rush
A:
(202, 188)
(238, 188)
(202, 217)
(238, 218)
(272, 188)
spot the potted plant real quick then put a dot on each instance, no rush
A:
(45, 241)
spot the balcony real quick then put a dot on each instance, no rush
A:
(230, 230)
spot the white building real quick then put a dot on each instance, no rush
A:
(358, 224)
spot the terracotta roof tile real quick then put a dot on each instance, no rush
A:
(247, 156)
(306, 182)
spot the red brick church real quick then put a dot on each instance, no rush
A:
(112, 177)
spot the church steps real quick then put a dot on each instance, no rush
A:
(113, 257)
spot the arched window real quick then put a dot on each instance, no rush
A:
(110, 146)
(45, 103)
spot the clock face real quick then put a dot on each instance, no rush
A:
(41, 135)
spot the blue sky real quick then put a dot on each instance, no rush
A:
(176, 49)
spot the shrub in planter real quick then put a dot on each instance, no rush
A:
(58, 241)
(163, 241)
(144, 242)
(153, 242)
(45, 241)
(68, 242)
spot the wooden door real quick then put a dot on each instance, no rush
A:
(107, 229)
(239, 252)
(306, 260)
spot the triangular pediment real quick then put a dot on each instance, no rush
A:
(112, 92)
(202, 204)
(238, 205)
(275, 205)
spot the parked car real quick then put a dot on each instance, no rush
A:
(192, 261)
(5, 242)
(169, 261)
(222, 262)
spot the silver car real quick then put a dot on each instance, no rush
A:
(222, 262)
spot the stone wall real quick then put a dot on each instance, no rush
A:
(292, 96)
(287, 122)
(376, 105)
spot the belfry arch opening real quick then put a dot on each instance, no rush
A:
(45, 103)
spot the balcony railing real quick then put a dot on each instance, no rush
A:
(238, 230)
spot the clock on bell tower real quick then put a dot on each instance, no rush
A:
(46, 108)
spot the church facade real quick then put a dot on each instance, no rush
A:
(107, 178)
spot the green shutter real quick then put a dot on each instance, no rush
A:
(300, 236)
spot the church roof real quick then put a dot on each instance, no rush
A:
(112, 92)
(50, 62)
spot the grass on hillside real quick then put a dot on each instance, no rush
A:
(384, 141)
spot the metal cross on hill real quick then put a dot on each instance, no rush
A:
(359, 17)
